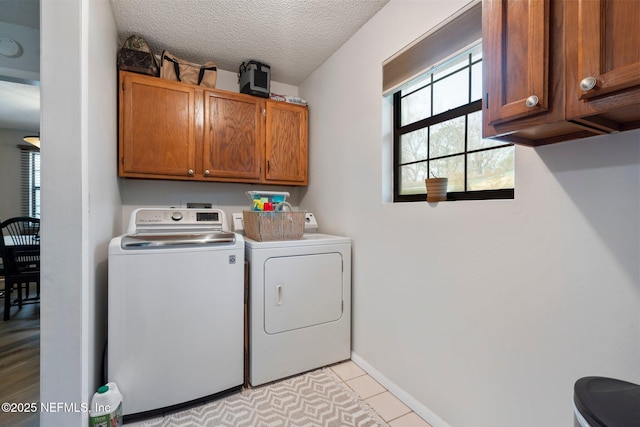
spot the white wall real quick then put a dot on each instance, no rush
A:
(63, 344)
(80, 200)
(10, 173)
(478, 313)
(104, 194)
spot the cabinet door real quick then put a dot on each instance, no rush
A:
(233, 135)
(603, 51)
(516, 59)
(608, 45)
(286, 148)
(156, 128)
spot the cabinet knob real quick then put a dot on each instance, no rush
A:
(588, 83)
(532, 101)
(190, 172)
(206, 172)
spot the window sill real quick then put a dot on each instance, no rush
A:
(460, 195)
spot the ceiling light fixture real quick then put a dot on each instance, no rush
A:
(32, 139)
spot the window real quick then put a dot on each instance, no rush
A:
(438, 133)
(30, 186)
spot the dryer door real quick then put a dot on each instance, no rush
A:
(302, 291)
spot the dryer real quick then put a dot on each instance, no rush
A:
(299, 305)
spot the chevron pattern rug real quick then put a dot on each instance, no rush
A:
(314, 399)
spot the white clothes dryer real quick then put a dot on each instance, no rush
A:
(299, 305)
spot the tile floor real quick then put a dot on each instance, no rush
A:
(392, 410)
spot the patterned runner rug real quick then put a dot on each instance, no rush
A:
(314, 399)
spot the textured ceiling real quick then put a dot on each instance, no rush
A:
(293, 36)
(19, 103)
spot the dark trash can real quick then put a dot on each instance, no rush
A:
(606, 402)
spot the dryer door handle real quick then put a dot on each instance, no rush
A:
(279, 295)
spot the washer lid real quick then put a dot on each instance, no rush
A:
(607, 402)
(152, 240)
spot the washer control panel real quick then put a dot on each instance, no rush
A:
(160, 218)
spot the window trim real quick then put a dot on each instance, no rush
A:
(441, 43)
(461, 111)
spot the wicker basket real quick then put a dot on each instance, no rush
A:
(269, 226)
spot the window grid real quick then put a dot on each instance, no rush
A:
(428, 122)
(34, 205)
(30, 185)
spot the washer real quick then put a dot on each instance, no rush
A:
(299, 304)
(176, 310)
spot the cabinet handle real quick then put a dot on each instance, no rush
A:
(190, 172)
(588, 83)
(206, 172)
(532, 101)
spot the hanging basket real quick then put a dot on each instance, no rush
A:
(436, 189)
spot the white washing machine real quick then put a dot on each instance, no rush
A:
(299, 304)
(176, 310)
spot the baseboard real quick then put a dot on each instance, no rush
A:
(417, 407)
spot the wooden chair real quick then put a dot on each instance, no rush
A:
(20, 246)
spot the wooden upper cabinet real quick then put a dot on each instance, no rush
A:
(516, 58)
(171, 130)
(538, 53)
(608, 45)
(603, 73)
(524, 72)
(157, 135)
(286, 143)
(233, 135)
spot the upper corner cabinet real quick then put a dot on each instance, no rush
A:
(286, 143)
(558, 70)
(603, 63)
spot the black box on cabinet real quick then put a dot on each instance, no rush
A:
(255, 78)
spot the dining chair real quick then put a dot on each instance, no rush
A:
(20, 249)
